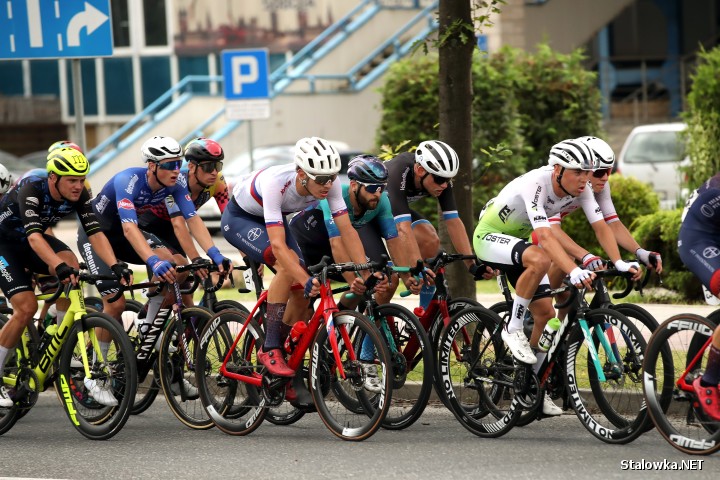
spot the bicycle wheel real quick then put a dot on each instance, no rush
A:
(478, 380)
(412, 365)
(113, 369)
(9, 416)
(149, 385)
(683, 423)
(229, 304)
(176, 366)
(612, 410)
(236, 407)
(348, 329)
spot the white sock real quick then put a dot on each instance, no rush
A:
(60, 316)
(520, 305)
(3, 356)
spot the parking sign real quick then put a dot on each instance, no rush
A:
(247, 84)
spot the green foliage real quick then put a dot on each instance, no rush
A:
(523, 103)
(633, 200)
(703, 119)
(659, 232)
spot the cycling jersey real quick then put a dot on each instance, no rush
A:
(401, 189)
(271, 193)
(699, 237)
(29, 208)
(604, 201)
(170, 208)
(382, 215)
(127, 194)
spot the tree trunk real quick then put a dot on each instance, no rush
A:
(455, 115)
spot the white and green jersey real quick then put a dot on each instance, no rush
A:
(528, 202)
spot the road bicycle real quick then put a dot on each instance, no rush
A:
(165, 350)
(592, 356)
(237, 391)
(87, 358)
(681, 421)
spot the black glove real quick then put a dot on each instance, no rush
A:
(121, 271)
(63, 271)
(477, 270)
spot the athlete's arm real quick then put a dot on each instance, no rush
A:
(180, 229)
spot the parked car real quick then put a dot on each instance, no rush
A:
(263, 157)
(655, 154)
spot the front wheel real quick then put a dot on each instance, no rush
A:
(109, 392)
(682, 423)
(612, 409)
(335, 360)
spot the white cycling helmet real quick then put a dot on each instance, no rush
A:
(603, 152)
(317, 156)
(6, 179)
(158, 149)
(437, 158)
(573, 154)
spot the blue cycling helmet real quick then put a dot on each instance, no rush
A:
(367, 169)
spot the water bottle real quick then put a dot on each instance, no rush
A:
(548, 334)
(295, 333)
(50, 316)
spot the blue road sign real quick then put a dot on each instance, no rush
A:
(55, 29)
(246, 74)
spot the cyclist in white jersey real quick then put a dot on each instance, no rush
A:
(601, 188)
(254, 222)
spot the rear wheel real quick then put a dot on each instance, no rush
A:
(177, 366)
(112, 368)
(236, 407)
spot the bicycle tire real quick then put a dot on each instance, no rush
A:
(229, 304)
(149, 387)
(622, 415)
(683, 424)
(472, 373)
(235, 407)
(9, 416)
(176, 366)
(340, 420)
(118, 372)
(412, 377)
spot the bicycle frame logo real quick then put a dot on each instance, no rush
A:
(67, 397)
(53, 348)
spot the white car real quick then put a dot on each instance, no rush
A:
(655, 154)
(263, 157)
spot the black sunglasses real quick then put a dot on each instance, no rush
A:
(373, 187)
(322, 179)
(441, 180)
(601, 173)
(171, 165)
(209, 167)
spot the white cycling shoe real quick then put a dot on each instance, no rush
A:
(549, 408)
(518, 344)
(100, 393)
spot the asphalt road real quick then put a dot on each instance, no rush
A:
(156, 445)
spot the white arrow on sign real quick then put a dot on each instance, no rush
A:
(91, 18)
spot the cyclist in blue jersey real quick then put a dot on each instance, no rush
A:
(699, 248)
(126, 196)
(26, 212)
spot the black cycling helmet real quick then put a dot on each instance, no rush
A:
(203, 150)
(367, 169)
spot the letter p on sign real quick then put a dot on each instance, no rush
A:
(245, 74)
(245, 70)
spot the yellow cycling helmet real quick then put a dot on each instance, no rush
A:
(67, 161)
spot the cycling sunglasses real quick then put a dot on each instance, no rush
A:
(209, 167)
(441, 180)
(322, 179)
(373, 187)
(171, 165)
(601, 173)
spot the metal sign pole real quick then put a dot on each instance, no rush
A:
(250, 145)
(78, 102)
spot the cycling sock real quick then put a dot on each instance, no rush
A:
(273, 326)
(154, 305)
(540, 357)
(367, 350)
(104, 349)
(520, 305)
(60, 316)
(3, 357)
(427, 292)
(711, 377)
(284, 331)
